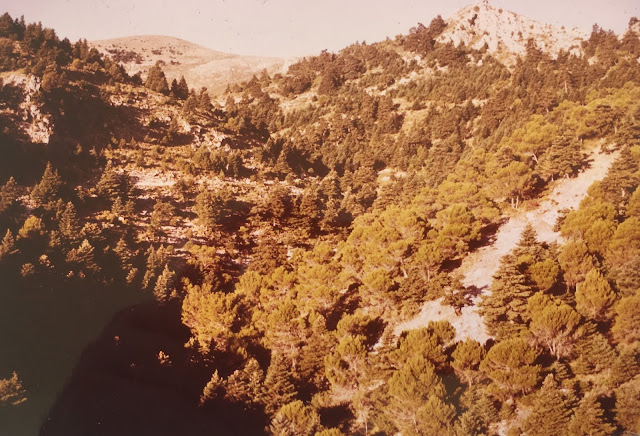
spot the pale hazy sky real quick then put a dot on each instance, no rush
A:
(289, 27)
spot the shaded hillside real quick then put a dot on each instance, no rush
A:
(140, 383)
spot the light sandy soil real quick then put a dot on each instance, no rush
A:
(479, 267)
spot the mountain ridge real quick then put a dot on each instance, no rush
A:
(201, 66)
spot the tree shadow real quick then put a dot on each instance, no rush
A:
(487, 235)
(474, 291)
(138, 378)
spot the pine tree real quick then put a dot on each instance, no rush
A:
(411, 388)
(627, 411)
(625, 367)
(576, 261)
(278, 386)
(69, 225)
(111, 184)
(164, 285)
(82, 259)
(8, 194)
(212, 207)
(156, 259)
(347, 364)
(562, 159)
(588, 419)
(156, 80)
(554, 324)
(513, 181)
(212, 389)
(48, 190)
(174, 88)
(623, 257)
(510, 366)
(551, 411)
(626, 327)
(213, 317)
(594, 297)
(456, 295)
(595, 355)
(183, 88)
(190, 106)
(123, 252)
(204, 101)
(163, 214)
(245, 385)
(466, 360)
(468, 424)
(11, 391)
(8, 245)
(434, 418)
(528, 248)
(425, 342)
(295, 419)
(504, 310)
(32, 228)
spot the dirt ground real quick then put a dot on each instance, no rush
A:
(479, 267)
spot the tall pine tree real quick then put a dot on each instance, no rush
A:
(550, 411)
(505, 309)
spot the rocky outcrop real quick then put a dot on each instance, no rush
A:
(36, 125)
(506, 33)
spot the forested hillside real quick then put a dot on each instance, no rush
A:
(266, 246)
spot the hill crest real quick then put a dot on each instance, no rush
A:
(506, 33)
(201, 66)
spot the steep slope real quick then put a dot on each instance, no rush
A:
(199, 65)
(310, 214)
(506, 33)
(479, 267)
(32, 121)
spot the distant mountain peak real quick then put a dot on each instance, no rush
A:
(506, 33)
(199, 65)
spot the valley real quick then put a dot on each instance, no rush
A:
(434, 234)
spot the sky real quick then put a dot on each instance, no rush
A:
(289, 28)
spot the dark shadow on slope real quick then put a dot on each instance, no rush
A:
(45, 325)
(487, 235)
(336, 417)
(121, 385)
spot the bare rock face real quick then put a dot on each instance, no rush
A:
(36, 125)
(505, 33)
